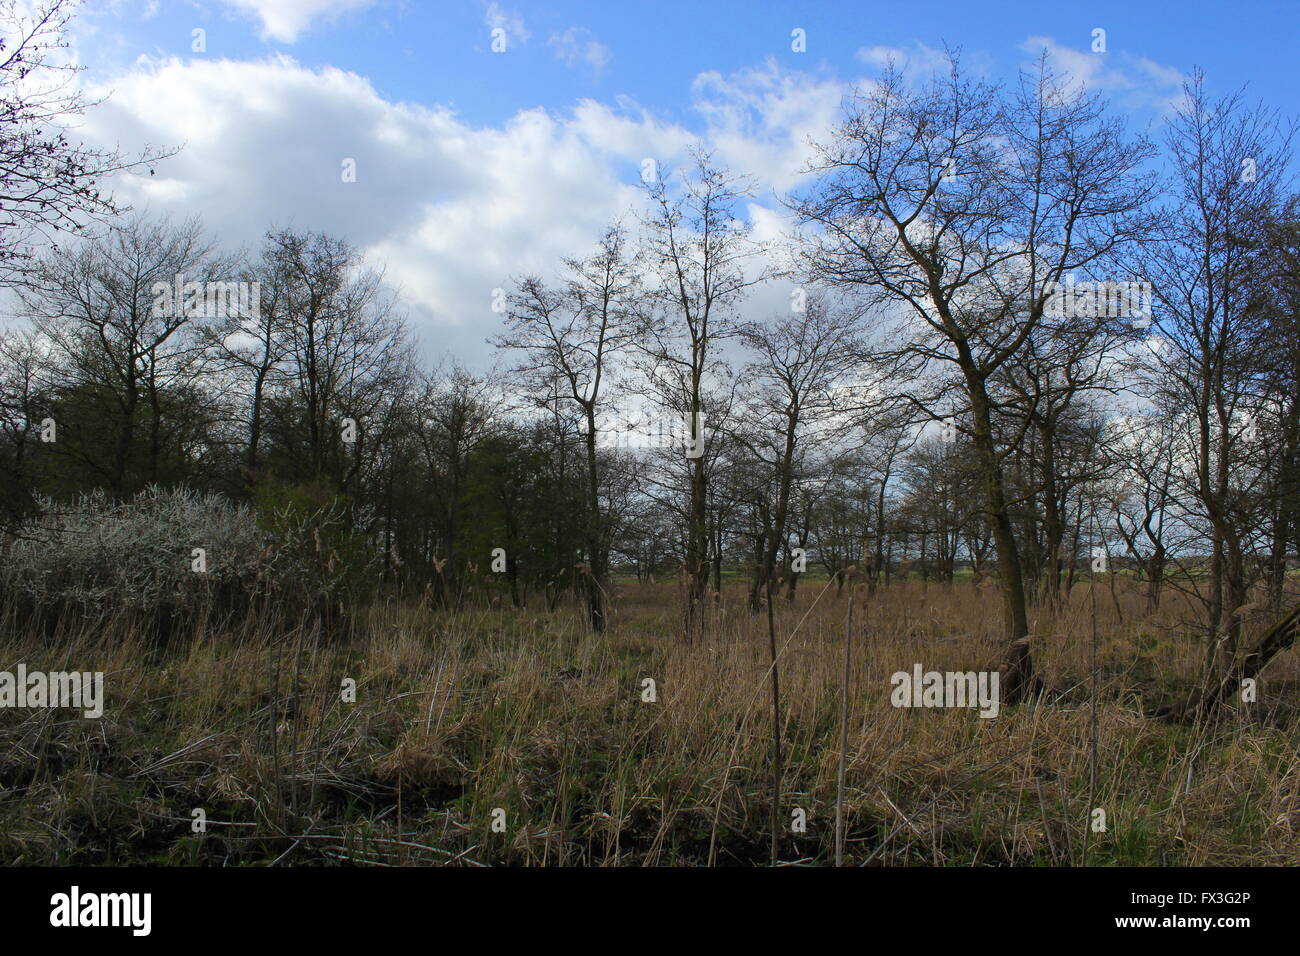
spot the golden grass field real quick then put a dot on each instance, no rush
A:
(460, 714)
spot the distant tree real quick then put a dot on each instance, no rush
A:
(334, 348)
(574, 336)
(129, 363)
(25, 368)
(697, 248)
(800, 359)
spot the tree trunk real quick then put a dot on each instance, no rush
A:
(1214, 694)
(1017, 669)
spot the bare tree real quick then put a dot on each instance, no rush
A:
(801, 358)
(966, 208)
(1142, 499)
(1229, 164)
(49, 184)
(343, 353)
(100, 307)
(25, 368)
(456, 411)
(575, 335)
(698, 249)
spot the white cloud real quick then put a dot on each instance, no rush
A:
(452, 209)
(922, 62)
(1133, 82)
(577, 45)
(629, 132)
(498, 18)
(760, 120)
(1078, 69)
(284, 20)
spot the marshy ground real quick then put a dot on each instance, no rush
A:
(525, 719)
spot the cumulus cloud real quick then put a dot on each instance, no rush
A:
(761, 120)
(451, 209)
(920, 62)
(627, 131)
(284, 20)
(1134, 82)
(454, 210)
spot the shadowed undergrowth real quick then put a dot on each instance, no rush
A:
(460, 715)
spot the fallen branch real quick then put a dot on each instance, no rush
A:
(1206, 701)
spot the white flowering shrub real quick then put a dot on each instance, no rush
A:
(96, 554)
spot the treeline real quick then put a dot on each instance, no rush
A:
(955, 384)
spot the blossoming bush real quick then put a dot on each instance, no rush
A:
(96, 555)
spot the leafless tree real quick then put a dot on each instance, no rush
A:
(49, 184)
(575, 335)
(801, 358)
(703, 259)
(1228, 168)
(99, 306)
(965, 207)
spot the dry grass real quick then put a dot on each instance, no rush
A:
(457, 715)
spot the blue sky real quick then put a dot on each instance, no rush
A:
(430, 52)
(476, 166)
